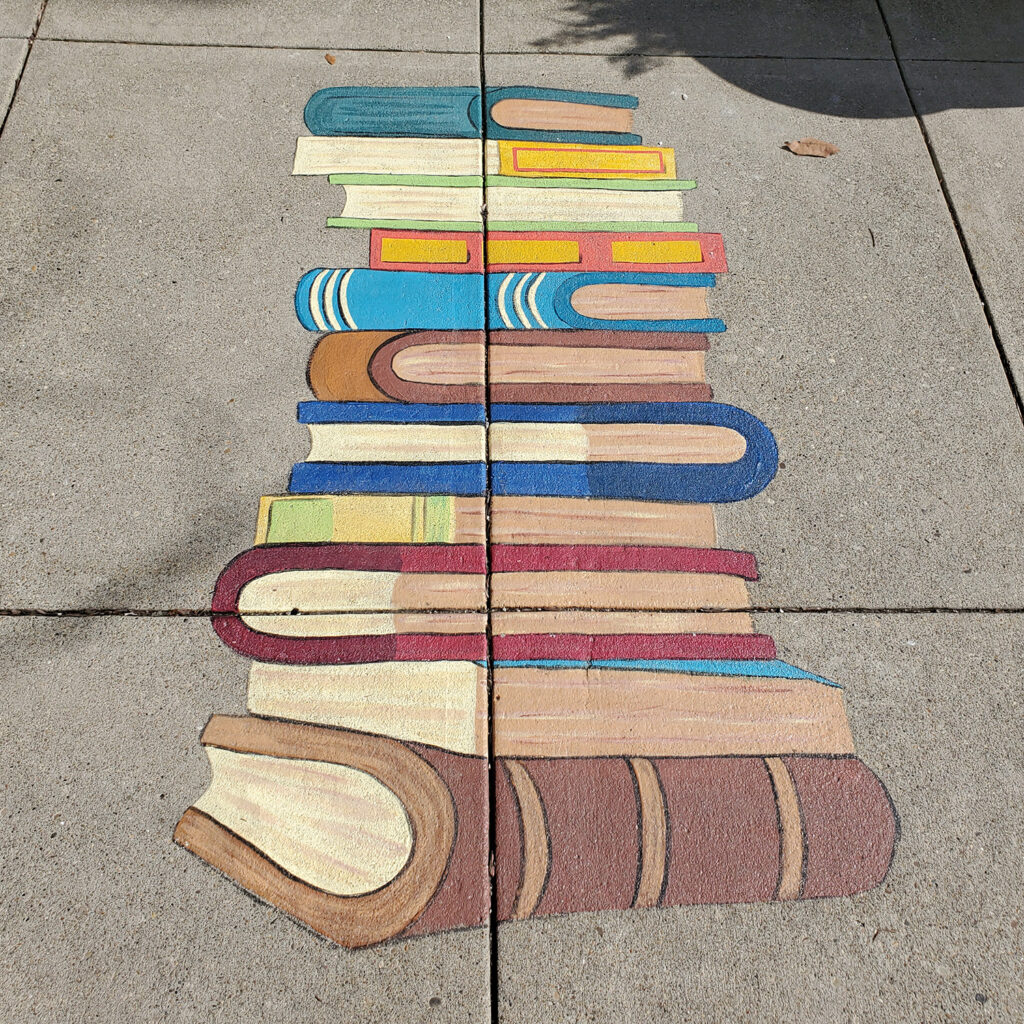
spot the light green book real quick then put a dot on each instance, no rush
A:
(366, 223)
(510, 181)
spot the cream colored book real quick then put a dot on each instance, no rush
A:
(353, 155)
(441, 703)
(425, 203)
(671, 444)
(561, 712)
(457, 157)
(396, 442)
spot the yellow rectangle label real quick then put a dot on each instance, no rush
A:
(357, 518)
(423, 250)
(675, 251)
(552, 160)
(532, 250)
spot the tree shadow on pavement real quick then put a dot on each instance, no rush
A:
(724, 37)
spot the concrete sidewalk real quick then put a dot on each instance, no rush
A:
(152, 240)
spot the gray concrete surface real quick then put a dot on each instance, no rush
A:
(104, 919)
(12, 57)
(935, 706)
(988, 30)
(978, 138)
(18, 17)
(153, 238)
(854, 333)
(165, 251)
(853, 28)
(155, 356)
(438, 25)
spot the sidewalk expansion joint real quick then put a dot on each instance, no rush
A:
(309, 48)
(297, 48)
(957, 225)
(24, 64)
(205, 613)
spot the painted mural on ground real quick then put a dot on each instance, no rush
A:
(496, 581)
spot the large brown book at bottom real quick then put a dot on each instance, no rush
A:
(365, 838)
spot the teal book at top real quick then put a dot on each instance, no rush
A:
(512, 112)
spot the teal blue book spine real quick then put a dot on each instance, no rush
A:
(383, 300)
(451, 113)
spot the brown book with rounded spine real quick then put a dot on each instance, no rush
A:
(405, 849)
(539, 366)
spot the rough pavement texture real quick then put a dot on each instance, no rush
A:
(152, 237)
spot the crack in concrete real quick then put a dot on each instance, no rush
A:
(997, 340)
(769, 609)
(24, 65)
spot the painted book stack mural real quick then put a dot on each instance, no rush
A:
(492, 614)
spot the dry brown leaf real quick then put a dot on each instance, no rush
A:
(330, 58)
(811, 147)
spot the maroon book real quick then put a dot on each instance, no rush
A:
(570, 834)
(462, 563)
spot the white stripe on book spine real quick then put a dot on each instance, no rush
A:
(343, 301)
(531, 299)
(328, 303)
(517, 301)
(503, 312)
(316, 300)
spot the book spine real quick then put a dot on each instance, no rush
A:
(672, 252)
(442, 252)
(380, 300)
(571, 834)
(338, 366)
(394, 519)
(615, 833)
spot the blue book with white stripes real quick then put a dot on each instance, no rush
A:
(381, 300)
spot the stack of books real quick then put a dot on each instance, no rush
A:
(491, 616)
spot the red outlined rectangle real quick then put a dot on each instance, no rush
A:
(595, 249)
